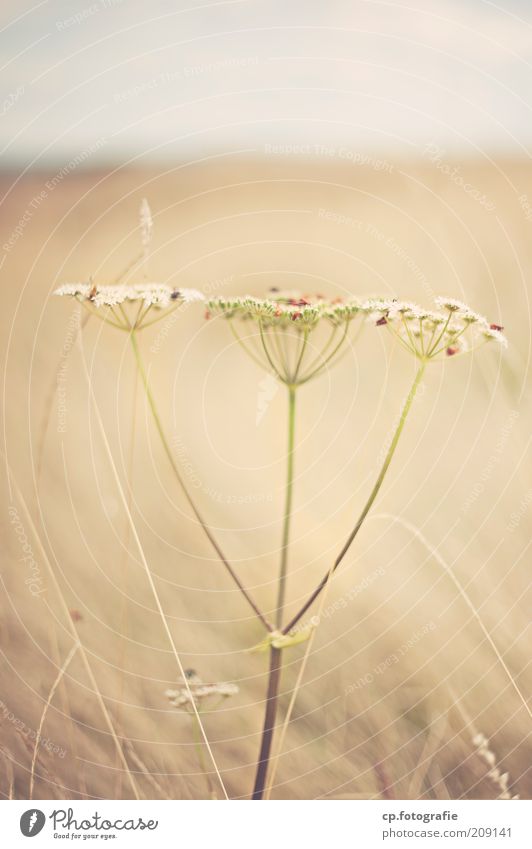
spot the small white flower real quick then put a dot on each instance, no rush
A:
(496, 335)
(159, 296)
(73, 290)
(499, 779)
(197, 692)
(451, 304)
(111, 296)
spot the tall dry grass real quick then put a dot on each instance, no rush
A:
(400, 676)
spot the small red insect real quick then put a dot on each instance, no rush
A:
(295, 316)
(451, 351)
(496, 327)
(381, 321)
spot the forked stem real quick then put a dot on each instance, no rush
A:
(369, 503)
(207, 531)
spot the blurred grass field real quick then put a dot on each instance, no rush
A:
(401, 674)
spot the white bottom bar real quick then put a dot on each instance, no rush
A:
(269, 825)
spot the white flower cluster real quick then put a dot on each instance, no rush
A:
(284, 309)
(451, 329)
(152, 294)
(198, 692)
(498, 778)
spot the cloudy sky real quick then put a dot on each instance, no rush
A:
(159, 80)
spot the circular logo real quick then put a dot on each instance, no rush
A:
(32, 822)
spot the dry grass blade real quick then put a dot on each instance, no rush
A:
(49, 399)
(449, 571)
(72, 628)
(141, 766)
(432, 745)
(51, 694)
(302, 668)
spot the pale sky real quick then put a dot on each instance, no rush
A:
(164, 80)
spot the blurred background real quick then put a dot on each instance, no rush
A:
(347, 148)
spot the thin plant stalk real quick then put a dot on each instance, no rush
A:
(124, 561)
(287, 519)
(196, 737)
(295, 691)
(270, 714)
(207, 531)
(51, 694)
(274, 674)
(369, 503)
(447, 568)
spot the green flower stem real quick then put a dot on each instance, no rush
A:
(197, 514)
(369, 503)
(274, 676)
(198, 746)
(287, 520)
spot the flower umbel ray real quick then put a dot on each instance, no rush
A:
(294, 336)
(454, 328)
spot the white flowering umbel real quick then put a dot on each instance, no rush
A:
(129, 307)
(499, 779)
(454, 328)
(294, 336)
(194, 690)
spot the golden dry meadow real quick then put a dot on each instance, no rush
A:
(417, 684)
